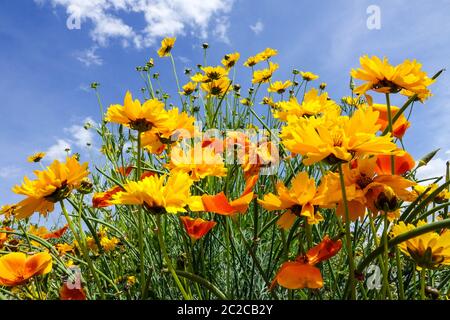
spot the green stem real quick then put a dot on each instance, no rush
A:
(348, 237)
(167, 258)
(83, 250)
(423, 274)
(202, 281)
(140, 221)
(401, 290)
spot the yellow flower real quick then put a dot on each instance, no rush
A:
(279, 87)
(158, 194)
(251, 61)
(36, 157)
(8, 210)
(381, 76)
(217, 87)
(441, 197)
(136, 116)
(365, 189)
(189, 88)
(352, 101)
(266, 54)
(429, 250)
(213, 73)
(166, 46)
(52, 185)
(308, 76)
(313, 104)
(109, 244)
(197, 161)
(64, 248)
(299, 200)
(230, 59)
(179, 125)
(246, 102)
(264, 75)
(339, 140)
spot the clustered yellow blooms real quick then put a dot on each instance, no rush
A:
(429, 250)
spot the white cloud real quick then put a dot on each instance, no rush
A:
(9, 172)
(258, 27)
(89, 57)
(82, 137)
(162, 18)
(58, 150)
(221, 29)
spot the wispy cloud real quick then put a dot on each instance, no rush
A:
(89, 57)
(9, 172)
(81, 135)
(58, 151)
(258, 27)
(162, 17)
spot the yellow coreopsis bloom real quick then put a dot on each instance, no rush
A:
(264, 75)
(266, 54)
(197, 161)
(441, 197)
(51, 185)
(139, 117)
(212, 73)
(340, 140)
(179, 125)
(216, 87)
(251, 61)
(166, 46)
(169, 194)
(230, 60)
(37, 157)
(300, 200)
(308, 76)
(380, 76)
(313, 104)
(279, 86)
(188, 88)
(429, 250)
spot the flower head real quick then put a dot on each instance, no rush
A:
(279, 86)
(308, 76)
(381, 76)
(398, 127)
(230, 59)
(139, 117)
(166, 46)
(37, 157)
(429, 250)
(264, 75)
(196, 228)
(16, 267)
(50, 186)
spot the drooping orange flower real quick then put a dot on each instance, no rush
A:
(302, 273)
(403, 163)
(196, 228)
(44, 233)
(67, 293)
(399, 127)
(16, 267)
(103, 199)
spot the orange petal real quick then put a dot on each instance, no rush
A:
(218, 204)
(403, 164)
(196, 228)
(56, 234)
(40, 263)
(66, 293)
(297, 275)
(355, 209)
(323, 251)
(103, 199)
(240, 205)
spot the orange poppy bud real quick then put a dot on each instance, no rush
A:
(16, 267)
(196, 228)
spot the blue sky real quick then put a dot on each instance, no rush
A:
(46, 68)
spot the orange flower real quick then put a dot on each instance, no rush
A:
(16, 267)
(103, 199)
(4, 236)
(403, 164)
(398, 127)
(43, 232)
(196, 228)
(302, 272)
(66, 293)
(125, 171)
